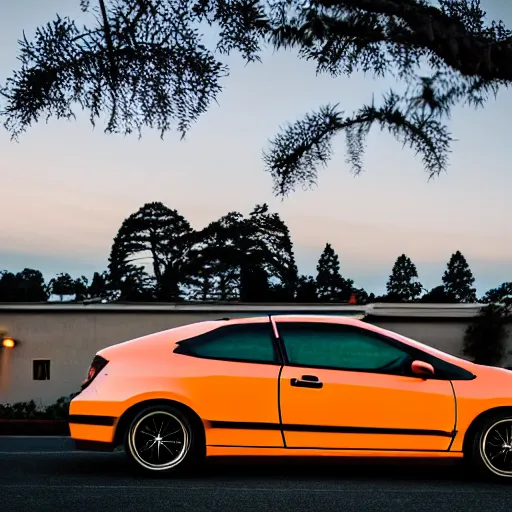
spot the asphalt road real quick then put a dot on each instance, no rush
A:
(44, 475)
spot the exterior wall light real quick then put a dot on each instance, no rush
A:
(8, 343)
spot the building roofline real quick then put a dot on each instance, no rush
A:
(378, 310)
(179, 306)
(423, 310)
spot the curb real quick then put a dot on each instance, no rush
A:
(34, 428)
(35, 444)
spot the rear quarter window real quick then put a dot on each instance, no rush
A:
(245, 343)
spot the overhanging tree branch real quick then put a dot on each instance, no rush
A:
(297, 152)
(110, 44)
(146, 65)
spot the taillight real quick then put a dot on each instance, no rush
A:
(98, 363)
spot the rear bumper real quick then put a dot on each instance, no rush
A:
(93, 419)
(89, 428)
(90, 422)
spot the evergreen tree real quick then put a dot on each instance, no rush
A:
(330, 285)
(458, 280)
(403, 284)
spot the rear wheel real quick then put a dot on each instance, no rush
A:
(491, 450)
(162, 439)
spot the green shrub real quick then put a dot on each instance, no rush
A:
(60, 409)
(32, 411)
(20, 411)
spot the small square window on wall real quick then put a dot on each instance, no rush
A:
(41, 369)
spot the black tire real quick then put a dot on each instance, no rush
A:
(490, 451)
(162, 439)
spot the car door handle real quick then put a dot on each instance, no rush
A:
(307, 381)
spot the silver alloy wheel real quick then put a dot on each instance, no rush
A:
(159, 441)
(496, 448)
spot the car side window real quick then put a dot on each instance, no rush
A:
(339, 347)
(244, 342)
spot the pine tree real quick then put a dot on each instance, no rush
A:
(458, 280)
(403, 284)
(329, 282)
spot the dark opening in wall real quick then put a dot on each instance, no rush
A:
(41, 369)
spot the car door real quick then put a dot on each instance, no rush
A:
(233, 382)
(342, 388)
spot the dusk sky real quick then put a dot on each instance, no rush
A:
(66, 188)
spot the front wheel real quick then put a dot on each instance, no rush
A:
(161, 439)
(491, 451)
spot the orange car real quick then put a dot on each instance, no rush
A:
(291, 385)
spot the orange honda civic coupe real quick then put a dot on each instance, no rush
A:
(291, 385)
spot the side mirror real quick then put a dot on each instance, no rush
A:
(422, 368)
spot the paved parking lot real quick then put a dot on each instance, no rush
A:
(45, 475)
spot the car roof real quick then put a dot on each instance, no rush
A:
(336, 319)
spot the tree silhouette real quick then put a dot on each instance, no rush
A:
(25, 286)
(485, 337)
(145, 63)
(214, 269)
(272, 236)
(149, 254)
(252, 259)
(502, 293)
(306, 290)
(99, 286)
(437, 295)
(81, 288)
(362, 296)
(458, 280)
(249, 259)
(403, 284)
(62, 285)
(330, 285)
